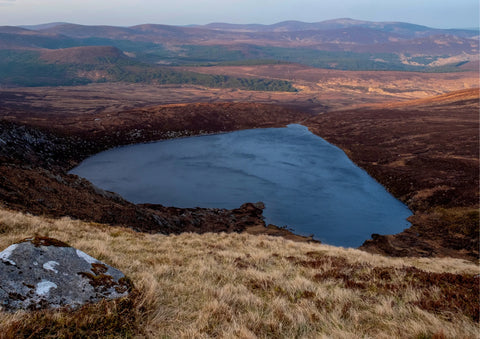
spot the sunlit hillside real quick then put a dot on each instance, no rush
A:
(239, 285)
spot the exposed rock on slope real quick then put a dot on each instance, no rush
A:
(23, 145)
(34, 161)
(46, 273)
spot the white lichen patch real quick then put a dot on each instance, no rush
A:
(86, 257)
(50, 266)
(43, 287)
(6, 253)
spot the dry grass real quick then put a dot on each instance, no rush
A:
(244, 286)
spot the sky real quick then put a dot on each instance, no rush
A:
(433, 13)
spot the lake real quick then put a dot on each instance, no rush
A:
(305, 182)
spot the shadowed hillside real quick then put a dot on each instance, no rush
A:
(81, 55)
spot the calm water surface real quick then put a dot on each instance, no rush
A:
(305, 182)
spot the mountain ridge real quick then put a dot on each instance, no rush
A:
(343, 44)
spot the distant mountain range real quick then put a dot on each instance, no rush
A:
(339, 44)
(340, 34)
(401, 28)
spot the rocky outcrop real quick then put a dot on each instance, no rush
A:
(35, 147)
(40, 273)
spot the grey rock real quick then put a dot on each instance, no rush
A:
(107, 194)
(40, 273)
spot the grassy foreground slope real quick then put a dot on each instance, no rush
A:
(238, 285)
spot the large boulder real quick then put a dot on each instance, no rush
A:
(40, 273)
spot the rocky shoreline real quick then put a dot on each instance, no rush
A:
(404, 148)
(426, 153)
(34, 164)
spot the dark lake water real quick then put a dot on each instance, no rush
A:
(305, 182)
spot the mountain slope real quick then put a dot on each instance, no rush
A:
(357, 32)
(82, 55)
(87, 64)
(20, 38)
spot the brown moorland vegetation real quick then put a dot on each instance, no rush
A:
(323, 89)
(239, 285)
(433, 172)
(426, 152)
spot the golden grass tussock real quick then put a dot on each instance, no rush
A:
(245, 286)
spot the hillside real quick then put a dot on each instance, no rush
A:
(400, 28)
(238, 285)
(239, 282)
(336, 44)
(426, 153)
(34, 162)
(338, 89)
(467, 97)
(81, 55)
(99, 64)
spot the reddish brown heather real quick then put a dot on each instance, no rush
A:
(426, 153)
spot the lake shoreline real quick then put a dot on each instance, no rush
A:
(76, 137)
(425, 152)
(35, 159)
(305, 182)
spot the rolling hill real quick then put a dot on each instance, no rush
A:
(82, 55)
(285, 34)
(407, 30)
(345, 44)
(87, 64)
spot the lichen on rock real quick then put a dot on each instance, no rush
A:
(42, 272)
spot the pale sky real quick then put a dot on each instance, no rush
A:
(433, 13)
